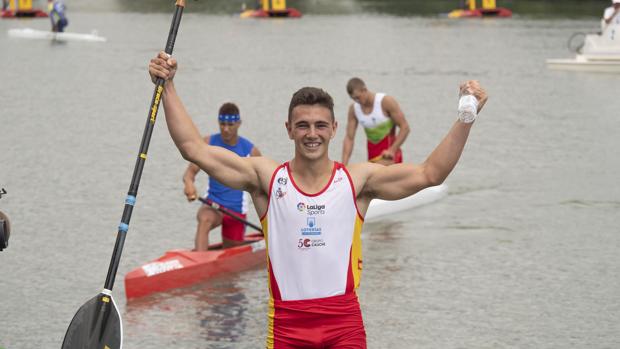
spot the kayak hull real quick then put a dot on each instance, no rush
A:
(28, 33)
(182, 268)
(379, 208)
(481, 13)
(597, 66)
(33, 13)
(287, 13)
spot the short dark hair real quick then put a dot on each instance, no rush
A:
(229, 108)
(311, 96)
(355, 84)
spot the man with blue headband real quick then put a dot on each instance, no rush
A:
(57, 10)
(235, 201)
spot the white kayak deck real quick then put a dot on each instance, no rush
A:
(29, 33)
(379, 208)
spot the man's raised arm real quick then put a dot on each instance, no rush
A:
(402, 180)
(225, 166)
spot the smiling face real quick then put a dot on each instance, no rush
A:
(311, 127)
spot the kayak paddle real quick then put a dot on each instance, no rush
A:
(97, 324)
(225, 211)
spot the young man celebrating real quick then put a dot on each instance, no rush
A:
(380, 115)
(233, 200)
(312, 210)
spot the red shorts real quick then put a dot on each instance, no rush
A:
(326, 323)
(375, 149)
(232, 229)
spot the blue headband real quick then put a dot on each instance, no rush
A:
(229, 117)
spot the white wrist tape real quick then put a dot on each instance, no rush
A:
(468, 108)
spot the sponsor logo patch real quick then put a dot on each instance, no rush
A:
(279, 193)
(306, 244)
(311, 228)
(312, 210)
(155, 268)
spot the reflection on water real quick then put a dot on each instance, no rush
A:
(217, 312)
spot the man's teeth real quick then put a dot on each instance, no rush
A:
(312, 145)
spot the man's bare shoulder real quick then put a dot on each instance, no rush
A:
(360, 173)
(263, 163)
(389, 102)
(264, 168)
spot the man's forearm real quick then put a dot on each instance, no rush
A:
(347, 149)
(189, 176)
(400, 138)
(443, 159)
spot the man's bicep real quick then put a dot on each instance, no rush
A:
(395, 181)
(225, 166)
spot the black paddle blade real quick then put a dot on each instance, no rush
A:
(96, 325)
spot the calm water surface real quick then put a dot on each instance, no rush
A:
(523, 253)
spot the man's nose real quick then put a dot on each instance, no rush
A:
(312, 131)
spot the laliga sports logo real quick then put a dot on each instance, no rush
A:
(312, 210)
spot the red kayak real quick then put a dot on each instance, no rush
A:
(181, 268)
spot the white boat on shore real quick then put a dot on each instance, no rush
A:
(379, 208)
(29, 33)
(599, 52)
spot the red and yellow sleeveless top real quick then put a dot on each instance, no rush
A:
(314, 244)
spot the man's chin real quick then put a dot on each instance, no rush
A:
(313, 155)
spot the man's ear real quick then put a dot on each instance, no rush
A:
(288, 130)
(335, 129)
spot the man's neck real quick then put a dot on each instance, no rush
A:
(231, 142)
(311, 175)
(371, 100)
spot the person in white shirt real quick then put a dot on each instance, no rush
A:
(611, 13)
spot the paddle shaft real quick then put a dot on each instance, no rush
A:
(144, 146)
(228, 213)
